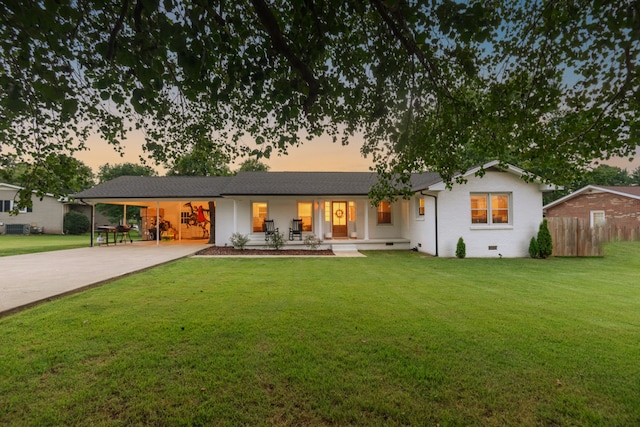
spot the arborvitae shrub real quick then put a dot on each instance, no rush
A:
(76, 223)
(545, 246)
(461, 248)
(534, 250)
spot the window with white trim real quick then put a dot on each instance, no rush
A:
(7, 206)
(491, 208)
(420, 207)
(598, 218)
(305, 213)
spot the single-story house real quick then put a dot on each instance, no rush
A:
(599, 205)
(46, 215)
(496, 214)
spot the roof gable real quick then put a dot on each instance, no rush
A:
(632, 192)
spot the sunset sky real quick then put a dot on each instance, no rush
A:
(317, 155)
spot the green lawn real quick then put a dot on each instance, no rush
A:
(391, 339)
(16, 245)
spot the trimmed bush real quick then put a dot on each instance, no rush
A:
(76, 223)
(534, 250)
(461, 248)
(239, 240)
(312, 241)
(276, 241)
(545, 245)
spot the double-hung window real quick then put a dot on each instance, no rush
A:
(491, 208)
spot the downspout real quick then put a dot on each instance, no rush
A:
(435, 201)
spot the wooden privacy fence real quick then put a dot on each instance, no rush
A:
(575, 236)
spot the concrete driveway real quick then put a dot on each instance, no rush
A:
(28, 279)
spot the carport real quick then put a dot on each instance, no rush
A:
(172, 208)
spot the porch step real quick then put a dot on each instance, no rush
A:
(344, 248)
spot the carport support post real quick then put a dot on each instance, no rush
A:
(93, 223)
(157, 223)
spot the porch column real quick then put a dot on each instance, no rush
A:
(366, 220)
(319, 218)
(179, 221)
(157, 223)
(235, 216)
(124, 214)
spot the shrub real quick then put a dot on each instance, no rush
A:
(276, 241)
(545, 246)
(75, 223)
(239, 240)
(312, 242)
(534, 249)
(461, 248)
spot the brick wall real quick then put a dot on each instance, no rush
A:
(619, 210)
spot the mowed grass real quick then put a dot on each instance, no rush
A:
(391, 339)
(17, 245)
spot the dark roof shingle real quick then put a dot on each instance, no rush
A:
(245, 183)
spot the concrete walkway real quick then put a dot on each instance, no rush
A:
(28, 279)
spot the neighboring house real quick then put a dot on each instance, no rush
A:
(46, 215)
(496, 214)
(600, 205)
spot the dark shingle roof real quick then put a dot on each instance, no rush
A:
(245, 183)
(157, 187)
(630, 190)
(300, 183)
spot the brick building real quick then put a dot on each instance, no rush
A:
(600, 205)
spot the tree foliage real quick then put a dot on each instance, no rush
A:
(253, 165)
(56, 174)
(548, 85)
(107, 172)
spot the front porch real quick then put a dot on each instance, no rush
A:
(337, 244)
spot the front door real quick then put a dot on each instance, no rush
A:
(339, 219)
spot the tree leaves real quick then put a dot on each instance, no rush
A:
(549, 86)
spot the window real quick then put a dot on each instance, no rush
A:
(420, 206)
(490, 208)
(7, 206)
(259, 214)
(305, 213)
(352, 211)
(384, 213)
(597, 218)
(327, 211)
